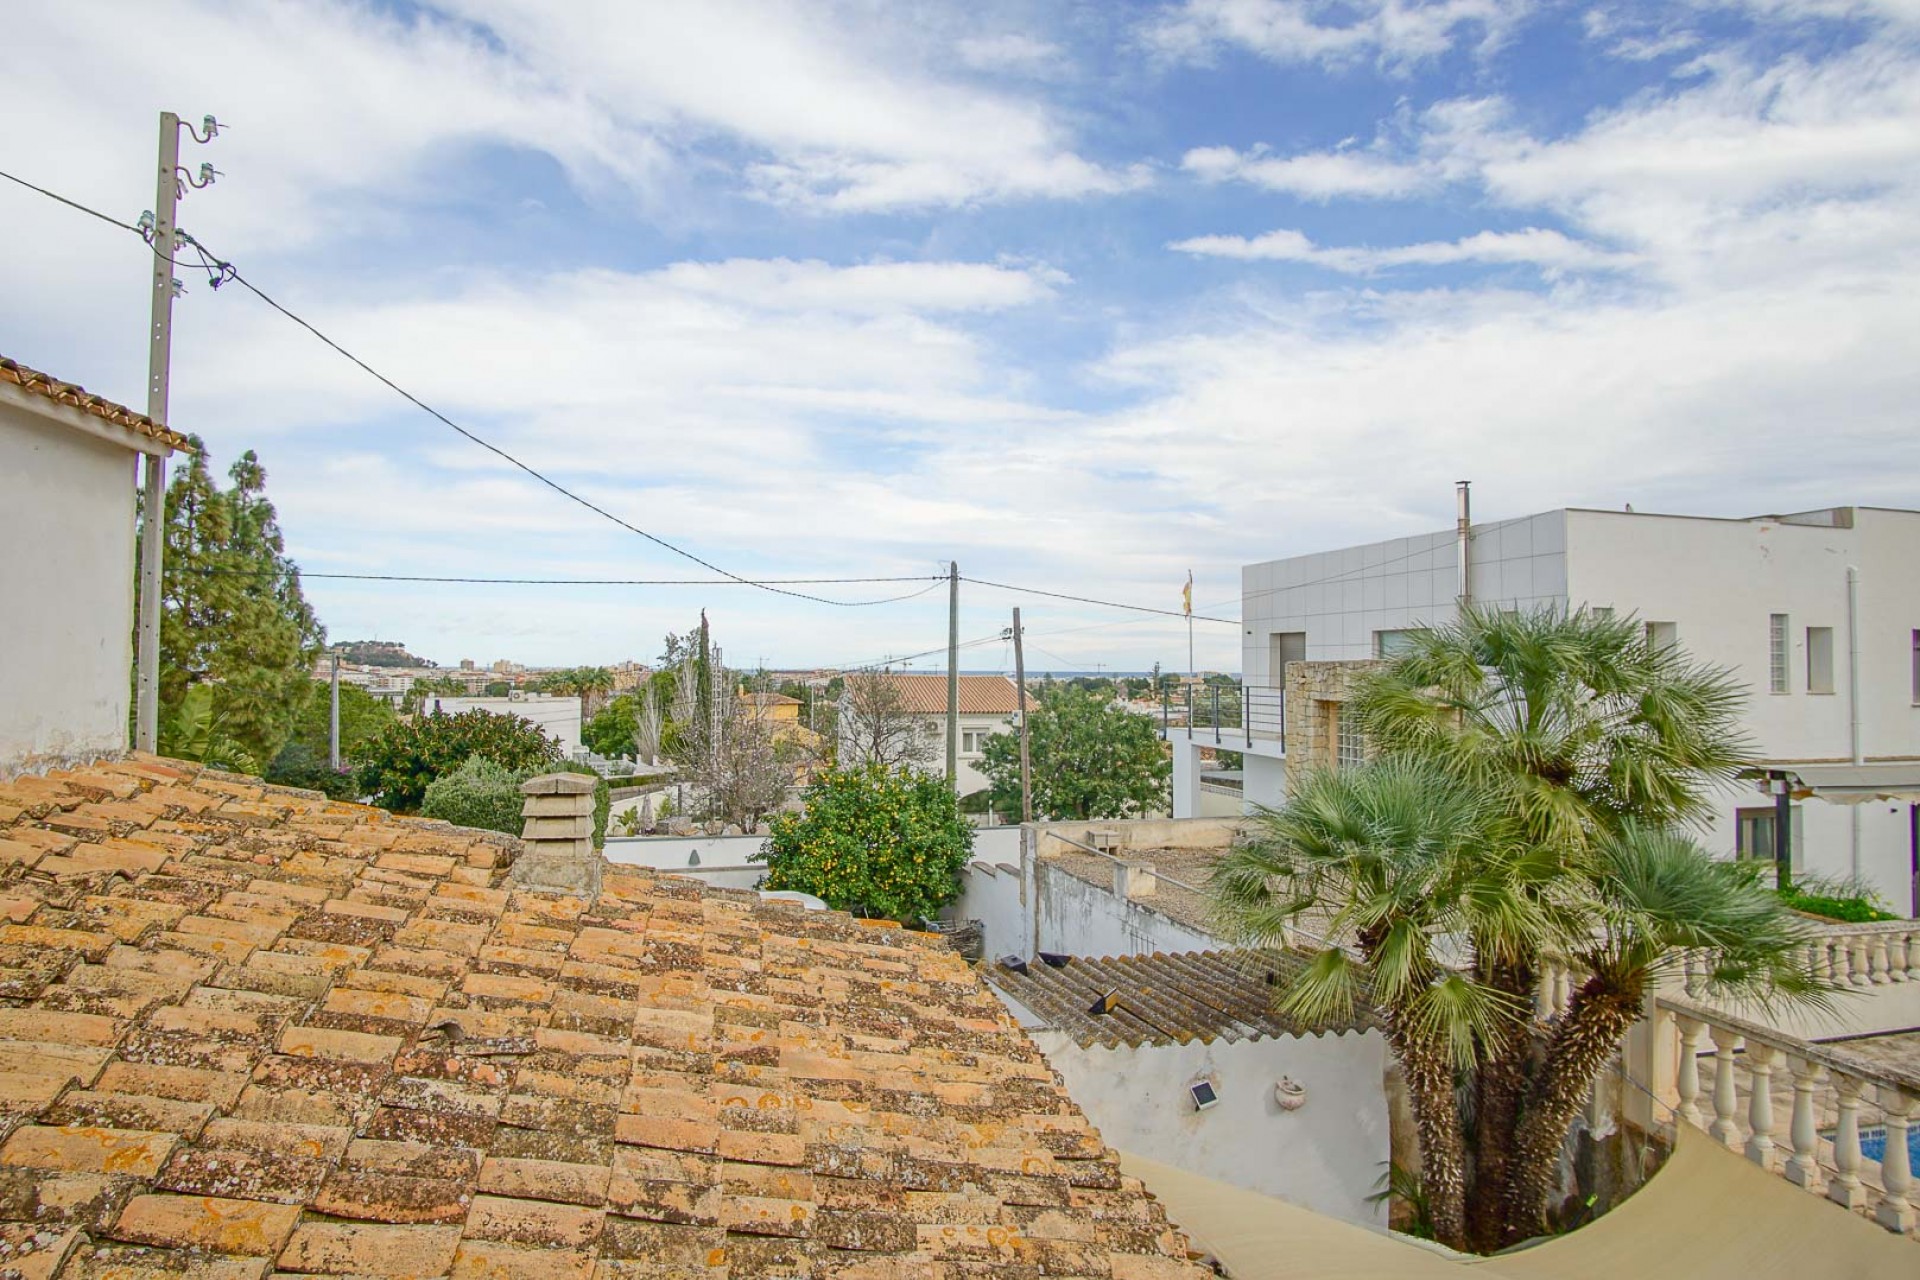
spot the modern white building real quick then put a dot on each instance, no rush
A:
(69, 467)
(556, 716)
(1818, 612)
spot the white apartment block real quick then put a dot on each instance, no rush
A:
(1817, 612)
(557, 716)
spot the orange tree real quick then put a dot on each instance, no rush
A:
(877, 841)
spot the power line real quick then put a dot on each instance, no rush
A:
(891, 659)
(222, 271)
(497, 451)
(218, 571)
(1108, 604)
(107, 218)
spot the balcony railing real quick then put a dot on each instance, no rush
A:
(1242, 712)
(1753, 1074)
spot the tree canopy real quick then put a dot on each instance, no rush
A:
(233, 619)
(1088, 759)
(1522, 806)
(397, 766)
(876, 841)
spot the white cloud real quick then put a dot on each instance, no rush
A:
(843, 111)
(1322, 175)
(341, 111)
(1012, 53)
(873, 288)
(1394, 34)
(1553, 252)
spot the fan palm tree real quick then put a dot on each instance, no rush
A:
(1583, 748)
(1415, 868)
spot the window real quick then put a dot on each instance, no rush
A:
(1663, 635)
(1391, 644)
(974, 741)
(1603, 612)
(1916, 668)
(1777, 653)
(1753, 837)
(1819, 659)
(1350, 745)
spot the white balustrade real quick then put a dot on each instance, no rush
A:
(1726, 1098)
(1760, 1060)
(1747, 1058)
(1896, 1178)
(1803, 1166)
(1687, 1076)
(1847, 1188)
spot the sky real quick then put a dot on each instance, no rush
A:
(1083, 296)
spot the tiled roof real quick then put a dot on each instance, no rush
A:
(979, 695)
(69, 394)
(1168, 999)
(247, 1030)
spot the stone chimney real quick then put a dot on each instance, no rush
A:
(559, 857)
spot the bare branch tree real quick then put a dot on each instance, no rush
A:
(729, 754)
(875, 725)
(650, 721)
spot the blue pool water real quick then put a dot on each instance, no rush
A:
(1873, 1145)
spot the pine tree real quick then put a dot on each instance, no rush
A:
(232, 615)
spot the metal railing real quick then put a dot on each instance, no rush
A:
(1241, 711)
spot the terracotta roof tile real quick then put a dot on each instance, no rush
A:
(245, 1030)
(979, 695)
(1168, 999)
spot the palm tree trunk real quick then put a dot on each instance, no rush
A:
(1589, 1033)
(1499, 1086)
(1436, 1115)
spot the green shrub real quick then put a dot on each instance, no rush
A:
(398, 765)
(477, 794)
(298, 765)
(875, 841)
(1836, 900)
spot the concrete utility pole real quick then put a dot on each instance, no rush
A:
(333, 717)
(1020, 681)
(166, 197)
(146, 720)
(953, 671)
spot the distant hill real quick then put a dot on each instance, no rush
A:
(381, 653)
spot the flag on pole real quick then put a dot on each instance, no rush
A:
(1186, 595)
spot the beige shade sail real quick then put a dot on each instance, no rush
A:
(1708, 1214)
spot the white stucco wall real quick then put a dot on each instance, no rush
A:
(723, 859)
(66, 587)
(1719, 581)
(1055, 911)
(557, 717)
(1326, 1156)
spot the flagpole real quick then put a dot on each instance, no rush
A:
(1187, 603)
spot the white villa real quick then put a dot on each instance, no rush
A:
(988, 705)
(1818, 612)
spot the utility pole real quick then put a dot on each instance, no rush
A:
(953, 671)
(166, 197)
(1020, 681)
(333, 716)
